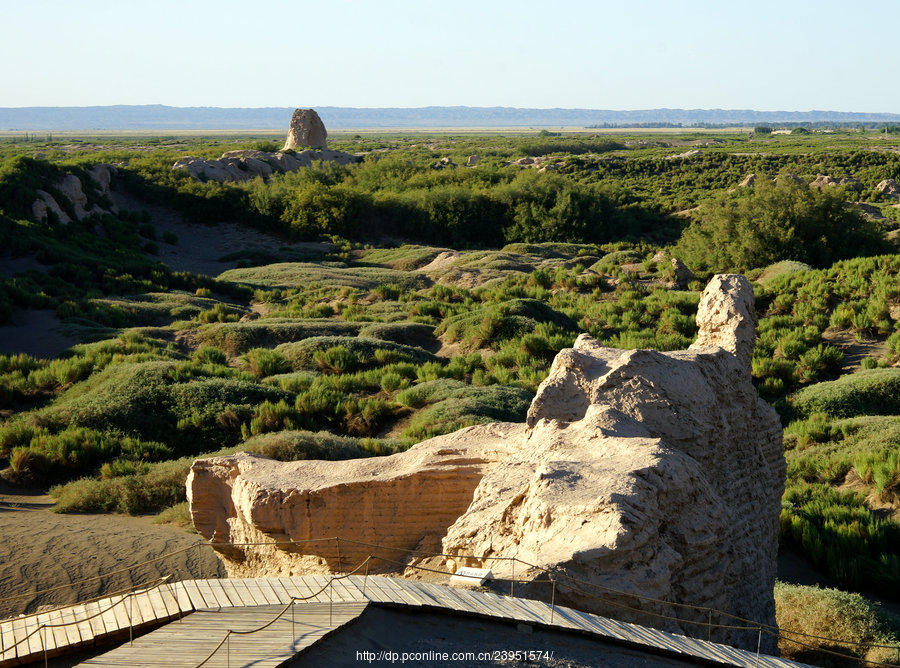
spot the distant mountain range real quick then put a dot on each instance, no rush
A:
(160, 117)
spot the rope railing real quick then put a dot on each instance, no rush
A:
(128, 596)
(553, 576)
(287, 607)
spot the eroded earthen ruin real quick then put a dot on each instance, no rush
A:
(637, 473)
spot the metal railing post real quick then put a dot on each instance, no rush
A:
(366, 578)
(131, 618)
(552, 599)
(44, 643)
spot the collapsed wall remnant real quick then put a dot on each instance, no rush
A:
(243, 165)
(306, 129)
(641, 478)
(72, 198)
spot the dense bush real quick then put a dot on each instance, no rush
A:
(867, 392)
(773, 222)
(856, 624)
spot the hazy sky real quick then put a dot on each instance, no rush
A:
(793, 55)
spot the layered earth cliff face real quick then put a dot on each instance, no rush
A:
(637, 473)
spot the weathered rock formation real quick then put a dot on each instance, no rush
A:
(248, 164)
(73, 202)
(682, 275)
(824, 180)
(640, 478)
(307, 129)
(889, 188)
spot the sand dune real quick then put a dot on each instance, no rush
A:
(42, 550)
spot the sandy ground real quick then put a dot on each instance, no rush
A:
(37, 332)
(854, 350)
(200, 247)
(41, 550)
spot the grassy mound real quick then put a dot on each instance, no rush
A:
(143, 401)
(335, 274)
(488, 325)
(868, 392)
(360, 351)
(239, 337)
(405, 258)
(782, 268)
(407, 333)
(447, 405)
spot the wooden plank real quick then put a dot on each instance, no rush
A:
(283, 596)
(319, 586)
(350, 590)
(235, 598)
(411, 590)
(182, 597)
(445, 596)
(17, 630)
(287, 583)
(73, 637)
(95, 619)
(428, 593)
(195, 596)
(108, 614)
(371, 590)
(304, 588)
(376, 583)
(527, 614)
(120, 612)
(268, 591)
(390, 587)
(249, 592)
(6, 641)
(142, 604)
(476, 605)
(212, 592)
(152, 605)
(503, 608)
(33, 644)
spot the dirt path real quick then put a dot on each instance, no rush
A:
(854, 351)
(41, 550)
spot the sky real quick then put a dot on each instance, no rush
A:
(791, 55)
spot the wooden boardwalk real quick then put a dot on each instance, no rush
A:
(25, 639)
(188, 642)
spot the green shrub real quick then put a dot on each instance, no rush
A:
(869, 392)
(289, 446)
(774, 222)
(856, 623)
(262, 362)
(337, 360)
